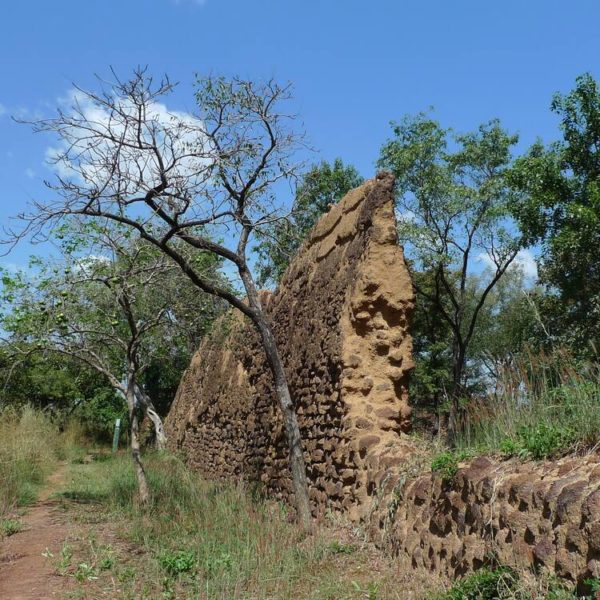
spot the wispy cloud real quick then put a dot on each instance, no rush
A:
(2, 110)
(82, 154)
(525, 260)
(29, 173)
(10, 267)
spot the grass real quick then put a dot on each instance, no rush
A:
(201, 540)
(544, 406)
(504, 583)
(446, 463)
(30, 447)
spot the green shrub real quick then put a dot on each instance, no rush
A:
(484, 584)
(540, 441)
(9, 527)
(446, 463)
(180, 561)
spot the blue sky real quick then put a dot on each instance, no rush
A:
(355, 65)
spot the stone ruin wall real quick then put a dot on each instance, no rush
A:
(340, 318)
(532, 515)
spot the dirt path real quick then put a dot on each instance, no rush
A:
(25, 573)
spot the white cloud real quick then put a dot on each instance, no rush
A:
(29, 173)
(10, 267)
(525, 260)
(2, 109)
(90, 157)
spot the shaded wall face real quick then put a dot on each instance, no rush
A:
(340, 317)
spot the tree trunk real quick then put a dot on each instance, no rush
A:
(290, 419)
(458, 367)
(292, 429)
(140, 473)
(150, 411)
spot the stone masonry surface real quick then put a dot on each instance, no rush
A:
(341, 319)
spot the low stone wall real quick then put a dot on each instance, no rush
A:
(541, 515)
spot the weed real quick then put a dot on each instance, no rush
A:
(180, 561)
(539, 441)
(127, 574)
(106, 563)
(66, 554)
(484, 584)
(370, 592)
(84, 572)
(446, 463)
(9, 527)
(339, 548)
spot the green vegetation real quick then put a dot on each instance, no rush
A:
(561, 187)
(30, 448)
(545, 405)
(446, 463)
(204, 540)
(506, 584)
(9, 527)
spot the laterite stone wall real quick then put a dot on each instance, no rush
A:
(340, 317)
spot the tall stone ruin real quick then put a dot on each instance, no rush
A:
(340, 317)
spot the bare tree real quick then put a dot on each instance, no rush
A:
(176, 178)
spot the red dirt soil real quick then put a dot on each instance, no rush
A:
(25, 573)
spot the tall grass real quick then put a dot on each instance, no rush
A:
(30, 447)
(543, 405)
(205, 540)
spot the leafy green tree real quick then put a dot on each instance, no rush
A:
(322, 186)
(562, 212)
(509, 324)
(454, 195)
(114, 307)
(432, 349)
(46, 382)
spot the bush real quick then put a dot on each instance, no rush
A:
(180, 561)
(543, 406)
(539, 441)
(29, 445)
(98, 414)
(446, 463)
(484, 584)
